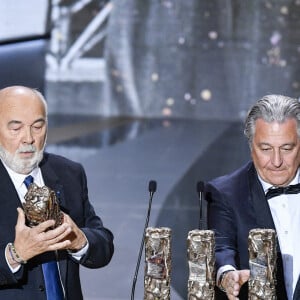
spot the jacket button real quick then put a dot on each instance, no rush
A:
(41, 288)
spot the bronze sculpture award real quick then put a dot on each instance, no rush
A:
(41, 205)
(201, 261)
(157, 263)
(262, 262)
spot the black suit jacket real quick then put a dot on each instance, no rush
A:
(68, 180)
(237, 204)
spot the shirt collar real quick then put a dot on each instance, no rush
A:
(17, 178)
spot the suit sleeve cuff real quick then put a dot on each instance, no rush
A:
(77, 255)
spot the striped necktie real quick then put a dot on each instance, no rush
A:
(53, 284)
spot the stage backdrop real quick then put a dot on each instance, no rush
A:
(200, 58)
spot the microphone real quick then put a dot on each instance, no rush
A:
(152, 190)
(200, 190)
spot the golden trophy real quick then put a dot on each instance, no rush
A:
(41, 205)
(262, 262)
(157, 263)
(201, 261)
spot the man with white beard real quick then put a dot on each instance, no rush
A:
(27, 252)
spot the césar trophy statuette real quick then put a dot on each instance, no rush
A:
(157, 263)
(201, 261)
(262, 262)
(41, 205)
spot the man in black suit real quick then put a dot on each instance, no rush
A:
(25, 251)
(237, 202)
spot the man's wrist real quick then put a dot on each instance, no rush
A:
(77, 250)
(14, 255)
(221, 280)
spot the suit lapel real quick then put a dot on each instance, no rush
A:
(297, 291)
(260, 205)
(52, 181)
(9, 199)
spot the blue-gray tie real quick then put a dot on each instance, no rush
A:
(54, 289)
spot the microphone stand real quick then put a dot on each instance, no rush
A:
(152, 189)
(200, 190)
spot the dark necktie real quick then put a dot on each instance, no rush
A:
(54, 289)
(28, 181)
(290, 189)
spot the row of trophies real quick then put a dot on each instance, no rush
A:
(41, 204)
(201, 262)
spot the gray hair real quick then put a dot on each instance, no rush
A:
(272, 108)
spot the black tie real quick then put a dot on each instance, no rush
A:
(50, 269)
(290, 189)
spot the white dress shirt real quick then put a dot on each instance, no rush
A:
(285, 210)
(18, 180)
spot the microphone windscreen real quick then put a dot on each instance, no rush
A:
(200, 186)
(152, 186)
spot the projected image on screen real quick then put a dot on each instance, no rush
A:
(22, 19)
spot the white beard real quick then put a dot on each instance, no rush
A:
(22, 165)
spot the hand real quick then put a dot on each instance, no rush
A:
(30, 242)
(233, 281)
(76, 236)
